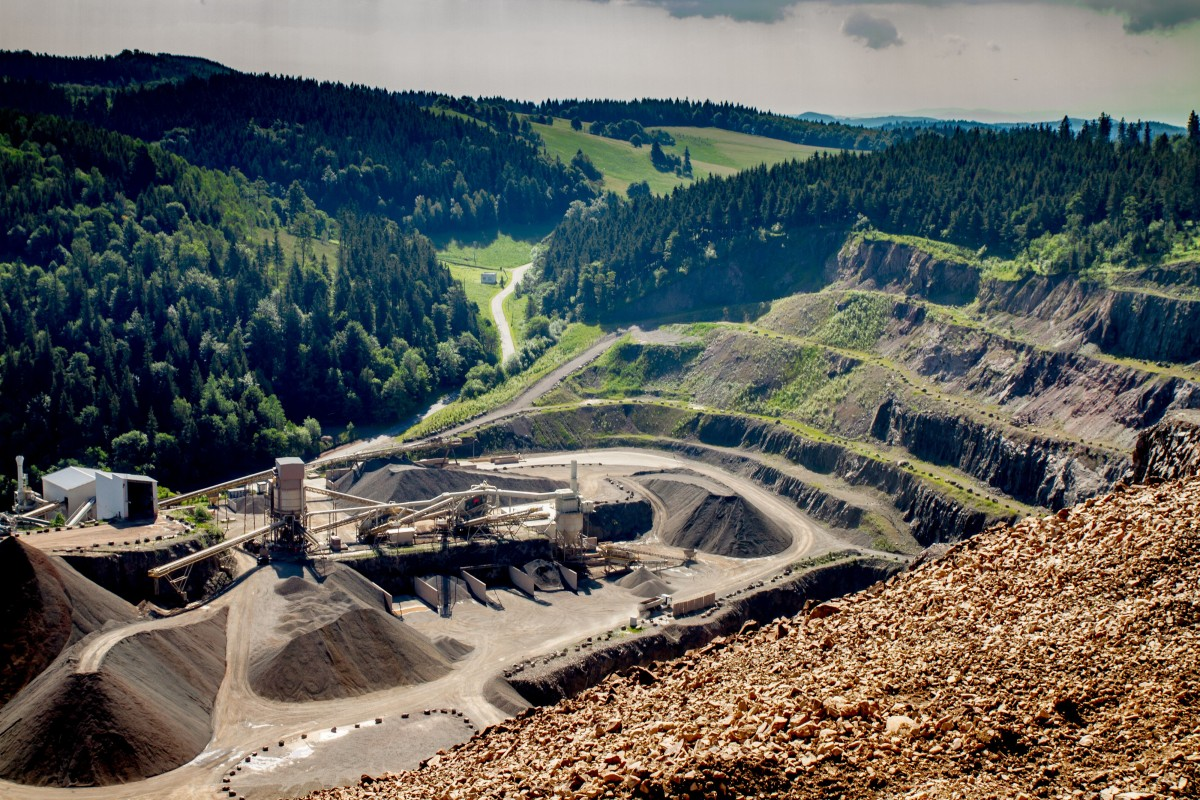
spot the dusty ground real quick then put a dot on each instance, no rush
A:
(120, 536)
(519, 630)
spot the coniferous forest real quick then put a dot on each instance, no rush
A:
(151, 317)
(1054, 200)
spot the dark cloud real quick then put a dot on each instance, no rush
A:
(875, 32)
(1141, 16)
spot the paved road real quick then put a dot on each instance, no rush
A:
(507, 346)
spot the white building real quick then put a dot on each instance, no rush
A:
(489, 278)
(73, 486)
(118, 495)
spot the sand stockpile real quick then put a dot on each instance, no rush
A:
(644, 583)
(1052, 659)
(720, 523)
(388, 482)
(145, 708)
(338, 638)
(45, 606)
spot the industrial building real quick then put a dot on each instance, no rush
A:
(116, 495)
(74, 487)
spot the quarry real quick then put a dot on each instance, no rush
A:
(595, 560)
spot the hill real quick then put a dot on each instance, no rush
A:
(1045, 659)
(145, 303)
(336, 142)
(127, 68)
(1050, 201)
(713, 151)
(658, 113)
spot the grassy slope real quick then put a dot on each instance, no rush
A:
(468, 259)
(714, 152)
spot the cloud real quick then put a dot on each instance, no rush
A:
(1141, 16)
(875, 32)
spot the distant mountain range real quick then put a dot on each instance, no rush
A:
(895, 121)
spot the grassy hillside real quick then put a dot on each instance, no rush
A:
(714, 152)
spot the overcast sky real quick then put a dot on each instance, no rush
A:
(988, 59)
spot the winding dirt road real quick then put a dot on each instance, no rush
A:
(507, 346)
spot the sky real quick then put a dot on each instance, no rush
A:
(982, 59)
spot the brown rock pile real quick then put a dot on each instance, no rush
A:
(145, 708)
(45, 606)
(1056, 658)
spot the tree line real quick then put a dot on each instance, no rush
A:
(369, 150)
(1060, 199)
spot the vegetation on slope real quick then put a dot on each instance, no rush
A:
(149, 320)
(336, 142)
(711, 151)
(1060, 200)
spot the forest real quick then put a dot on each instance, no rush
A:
(158, 316)
(727, 116)
(454, 173)
(1056, 199)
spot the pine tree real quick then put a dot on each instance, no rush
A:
(1193, 128)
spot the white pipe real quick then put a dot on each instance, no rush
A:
(574, 476)
(21, 482)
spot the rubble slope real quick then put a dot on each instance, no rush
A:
(1052, 658)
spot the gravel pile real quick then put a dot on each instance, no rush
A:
(45, 606)
(1055, 658)
(337, 639)
(388, 482)
(723, 524)
(644, 583)
(144, 710)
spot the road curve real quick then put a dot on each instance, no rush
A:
(507, 346)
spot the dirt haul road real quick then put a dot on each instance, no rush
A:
(516, 629)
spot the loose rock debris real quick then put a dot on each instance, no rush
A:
(1053, 658)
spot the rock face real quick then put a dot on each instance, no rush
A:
(1053, 658)
(1143, 325)
(898, 268)
(1169, 450)
(1039, 472)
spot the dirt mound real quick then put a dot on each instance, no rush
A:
(363, 650)
(503, 696)
(45, 606)
(337, 637)
(146, 709)
(644, 583)
(452, 648)
(723, 524)
(389, 482)
(1053, 658)
(293, 586)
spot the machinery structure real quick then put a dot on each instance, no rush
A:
(483, 511)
